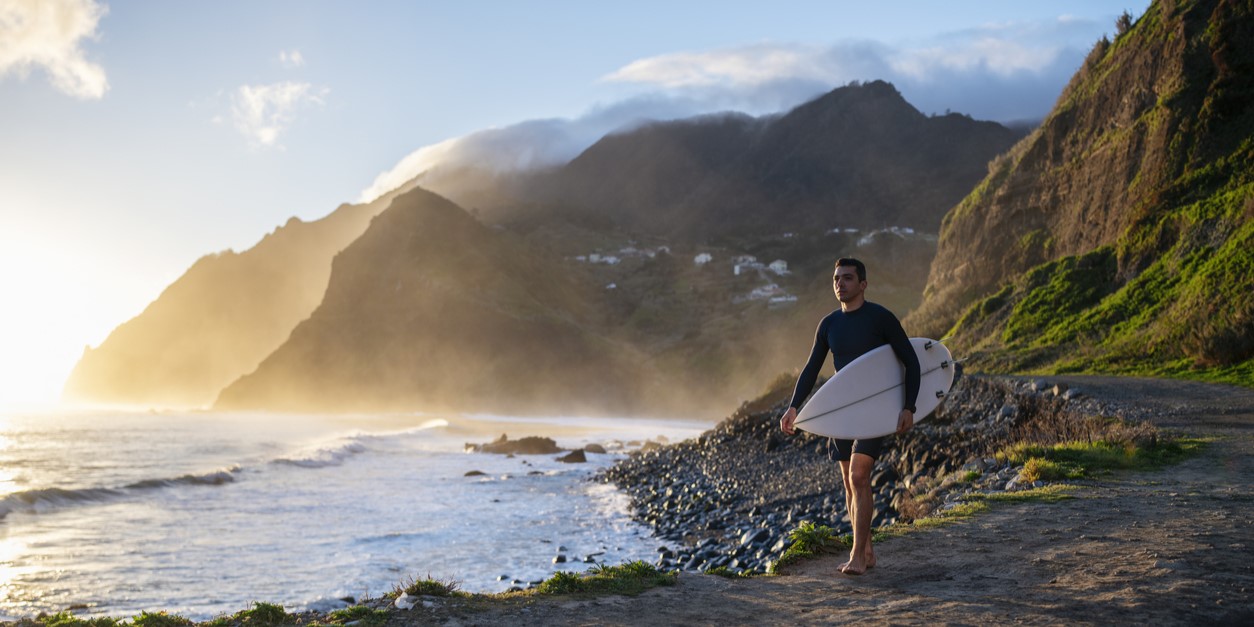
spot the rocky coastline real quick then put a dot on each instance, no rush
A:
(729, 498)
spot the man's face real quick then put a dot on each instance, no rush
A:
(846, 284)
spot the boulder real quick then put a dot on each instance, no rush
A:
(530, 445)
(574, 457)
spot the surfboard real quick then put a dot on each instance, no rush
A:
(865, 397)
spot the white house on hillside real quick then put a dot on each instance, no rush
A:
(779, 266)
(703, 259)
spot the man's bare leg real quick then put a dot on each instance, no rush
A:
(849, 502)
(859, 479)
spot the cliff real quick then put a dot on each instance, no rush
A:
(219, 319)
(430, 309)
(1117, 237)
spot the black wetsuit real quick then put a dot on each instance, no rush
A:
(847, 336)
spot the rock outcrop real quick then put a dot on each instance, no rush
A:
(1118, 235)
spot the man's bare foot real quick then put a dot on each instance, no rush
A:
(869, 559)
(856, 566)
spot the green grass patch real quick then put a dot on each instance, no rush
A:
(429, 587)
(1045, 494)
(1075, 460)
(66, 619)
(159, 619)
(727, 573)
(950, 515)
(970, 475)
(630, 579)
(364, 615)
(810, 540)
(264, 614)
(1040, 469)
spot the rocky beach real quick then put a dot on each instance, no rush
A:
(730, 498)
(1169, 546)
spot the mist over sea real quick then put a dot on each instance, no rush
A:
(203, 514)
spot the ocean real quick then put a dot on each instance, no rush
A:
(202, 514)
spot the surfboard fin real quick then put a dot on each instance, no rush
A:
(940, 394)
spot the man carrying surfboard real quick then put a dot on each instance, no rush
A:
(858, 327)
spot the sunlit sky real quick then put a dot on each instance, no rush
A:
(136, 137)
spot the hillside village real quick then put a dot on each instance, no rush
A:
(738, 266)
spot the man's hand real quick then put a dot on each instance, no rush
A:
(905, 420)
(786, 421)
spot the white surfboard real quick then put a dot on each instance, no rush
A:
(864, 399)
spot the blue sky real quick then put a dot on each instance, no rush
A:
(136, 137)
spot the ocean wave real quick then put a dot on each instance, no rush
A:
(217, 477)
(323, 456)
(38, 500)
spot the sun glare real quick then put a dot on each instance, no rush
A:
(43, 334)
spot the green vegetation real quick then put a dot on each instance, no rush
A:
(66, 619)
(630, 578)
(429, 587)
(1168, 293)
(143, 619)
(159, 619)
(360, 614)
(727, 573)
(1076, 460)
(264, 614)
(809, 540)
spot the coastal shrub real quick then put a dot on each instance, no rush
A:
(264, 614)
(809, 540)
(630, 578)
(430, 587)
(159, 619)
(66, 619)
(1040, 469)
(971, 475)
(561, 583)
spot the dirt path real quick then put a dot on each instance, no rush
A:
(1166, 547)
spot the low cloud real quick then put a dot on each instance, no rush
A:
(980, 71)
(530, 144)
(264, 112)
(291, 59)
(1011, 72)
(49, 35)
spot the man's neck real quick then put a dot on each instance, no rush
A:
(852, 306)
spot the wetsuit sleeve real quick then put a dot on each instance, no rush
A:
(905, 352)
(810, 373)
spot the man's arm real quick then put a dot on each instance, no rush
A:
(805, 382)
(900, 342)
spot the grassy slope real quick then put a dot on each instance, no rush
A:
(1172, 297)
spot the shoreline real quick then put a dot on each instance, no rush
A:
(1121, 540)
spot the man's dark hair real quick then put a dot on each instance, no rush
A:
(849, 261)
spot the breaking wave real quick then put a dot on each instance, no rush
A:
(42, 499)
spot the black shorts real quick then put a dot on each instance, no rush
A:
(870, 447)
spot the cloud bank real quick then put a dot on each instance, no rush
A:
(1010, 72)
(263, 112)
(49, 34)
